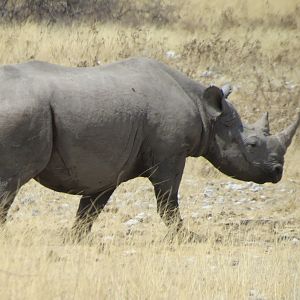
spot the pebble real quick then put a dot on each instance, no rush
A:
(27, 200)
(255, 295)
(139, 218)
(190, 261)
(208, 192)
(195, 215)
(220, 199)
(108, 238)
(251, 186)
(254, 187)
(290, 85)
(207, 73)
(171, 54)
(129, 252)
(35, 212)
(131, 222)
(207, 206)
(234, 186)
(234, 262)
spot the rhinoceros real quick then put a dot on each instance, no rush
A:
(84, 131)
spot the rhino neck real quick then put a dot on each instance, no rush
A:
(203, 138)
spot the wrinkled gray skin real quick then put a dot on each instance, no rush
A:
(86, 130)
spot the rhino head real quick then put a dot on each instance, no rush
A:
(245, 152)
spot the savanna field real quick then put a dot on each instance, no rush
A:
(253, 247)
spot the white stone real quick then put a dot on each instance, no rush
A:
(131, 222)
(171, 54)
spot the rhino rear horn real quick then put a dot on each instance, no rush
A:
(263, 123)
(287, 134)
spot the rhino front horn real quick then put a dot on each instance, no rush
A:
(263, 123)
(287, 134)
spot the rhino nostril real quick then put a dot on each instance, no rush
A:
(278, 169)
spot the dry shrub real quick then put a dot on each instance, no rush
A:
(220, 52)
(129, 12)
(190, 15)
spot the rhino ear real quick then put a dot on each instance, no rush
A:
(213, 98)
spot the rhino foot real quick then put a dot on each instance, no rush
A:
(74, 236)
(184, 236)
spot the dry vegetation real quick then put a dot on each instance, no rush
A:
(253, 251)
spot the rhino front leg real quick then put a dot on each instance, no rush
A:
(88, 210)
(8, 192)
(166, 180)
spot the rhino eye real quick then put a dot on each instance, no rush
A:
(252, 144)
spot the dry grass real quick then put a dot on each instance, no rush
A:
(253, 251)
(259, 259)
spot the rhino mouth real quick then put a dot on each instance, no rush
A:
(277, 171)
(274, 173)
(271, 174)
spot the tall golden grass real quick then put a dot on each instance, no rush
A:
(253, 247)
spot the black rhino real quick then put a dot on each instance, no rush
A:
(86, 130)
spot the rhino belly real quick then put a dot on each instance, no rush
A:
(92, 164)
(75, 179)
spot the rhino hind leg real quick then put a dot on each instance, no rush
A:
(6, 201)
(9, 188)
(25, 152)
(89, 208)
